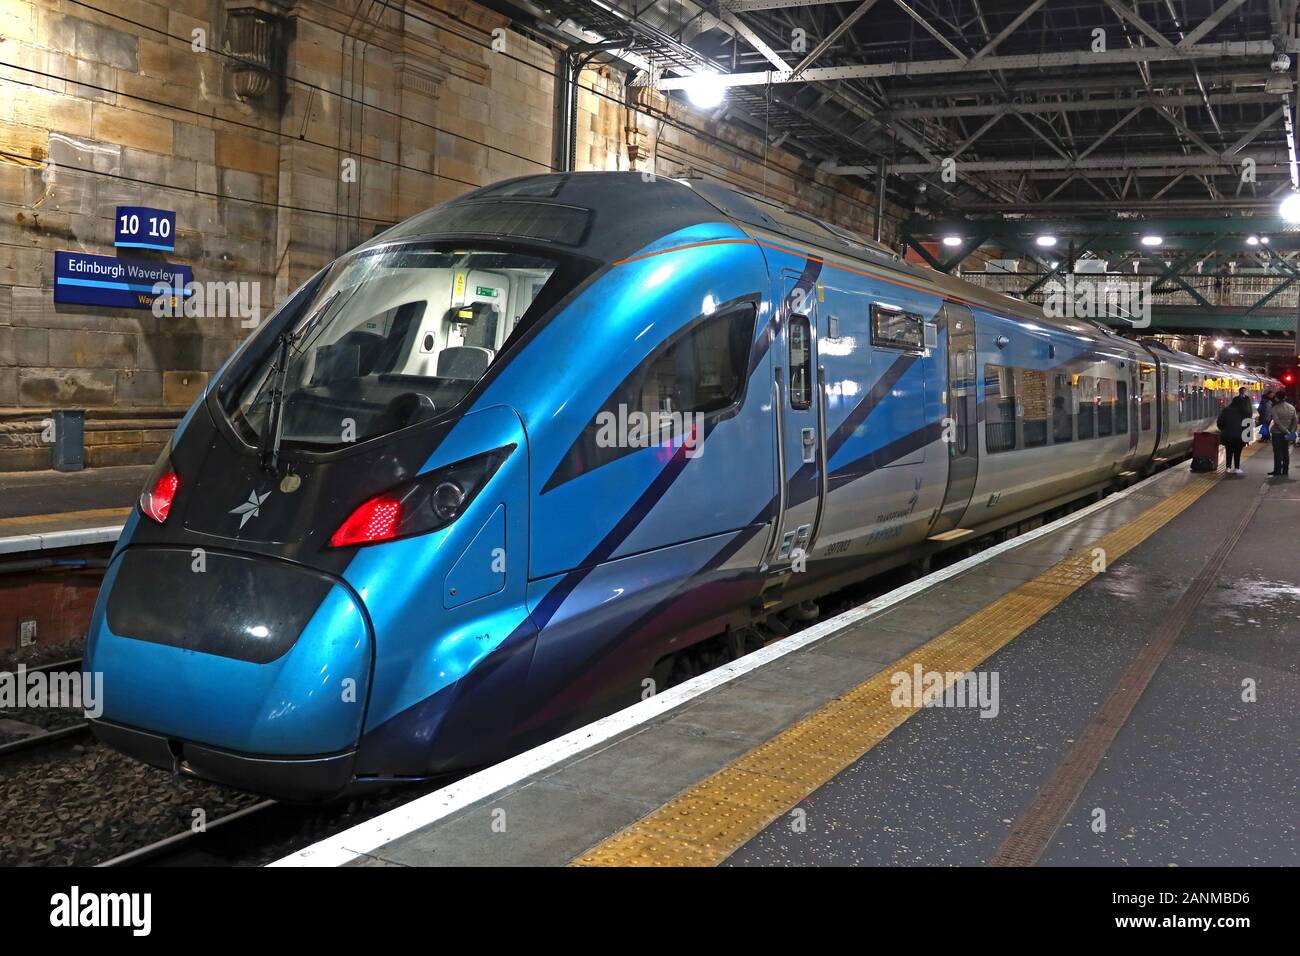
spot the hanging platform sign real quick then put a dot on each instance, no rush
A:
(82, 279)
(139, 227)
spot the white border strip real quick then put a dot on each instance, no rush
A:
(365, 838)
(48, 540)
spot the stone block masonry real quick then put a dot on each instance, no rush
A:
(107, 103)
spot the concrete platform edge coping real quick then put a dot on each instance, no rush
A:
(50, 540)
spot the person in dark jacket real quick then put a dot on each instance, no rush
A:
(1265, 412)
(1235, 425)
(1282, 421)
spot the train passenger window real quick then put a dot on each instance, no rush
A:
(1086, 393)
(1062, 411)
(1121, 408)
(1032, 393)
(999, 408)
(800, 362)
(893, 328)
(1105, 407)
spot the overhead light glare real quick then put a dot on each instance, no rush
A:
(705, 90)
(1152, 240)
(1046, 241)
(1290, 207)
(952, 240)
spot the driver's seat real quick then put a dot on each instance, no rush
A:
(464, 362)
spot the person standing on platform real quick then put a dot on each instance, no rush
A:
(1265, 409)
(1281, 423)
(1235, 422)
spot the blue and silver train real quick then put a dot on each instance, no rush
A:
(480, 478)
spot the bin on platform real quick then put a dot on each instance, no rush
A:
(69, 449)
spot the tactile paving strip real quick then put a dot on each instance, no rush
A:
(707, 823)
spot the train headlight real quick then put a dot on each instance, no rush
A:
(425, 504)
(160, 488)
(447, 500)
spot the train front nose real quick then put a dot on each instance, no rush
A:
(240, 668)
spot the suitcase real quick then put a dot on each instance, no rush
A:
(1205, 451)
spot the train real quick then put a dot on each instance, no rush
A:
(504, 467)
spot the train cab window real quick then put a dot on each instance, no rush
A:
(700, 369)
(893, 328)
(1085, 391)
(1032, 392)
(1062, 411)
(999, 408)
(800, 362)
(1121, 408)
(391, 336)
(1105, 407)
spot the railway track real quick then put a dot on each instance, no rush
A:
(267, 830)
(229, 839)
(54, 735)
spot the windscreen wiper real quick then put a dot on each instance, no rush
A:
(270, 445)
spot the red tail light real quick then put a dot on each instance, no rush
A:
(158, 501)
(376, 520)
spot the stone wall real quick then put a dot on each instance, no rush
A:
(364, 119)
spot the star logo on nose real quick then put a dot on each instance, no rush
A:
(249, 509)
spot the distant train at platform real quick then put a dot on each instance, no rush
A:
(521, 458)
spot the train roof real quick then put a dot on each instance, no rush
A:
(612, 215)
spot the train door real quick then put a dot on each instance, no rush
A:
(1134, 409)
(800, 417)
(963, 444)
(1162, 403)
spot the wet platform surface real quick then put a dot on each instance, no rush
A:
(1196, 776)
(806, 760)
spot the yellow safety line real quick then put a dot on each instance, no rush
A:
(705, 824)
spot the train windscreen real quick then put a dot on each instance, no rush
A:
(392, 336)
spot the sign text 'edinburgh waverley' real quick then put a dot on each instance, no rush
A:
(82, 279)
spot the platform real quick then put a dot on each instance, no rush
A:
(41, 511)
(1147, 657)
